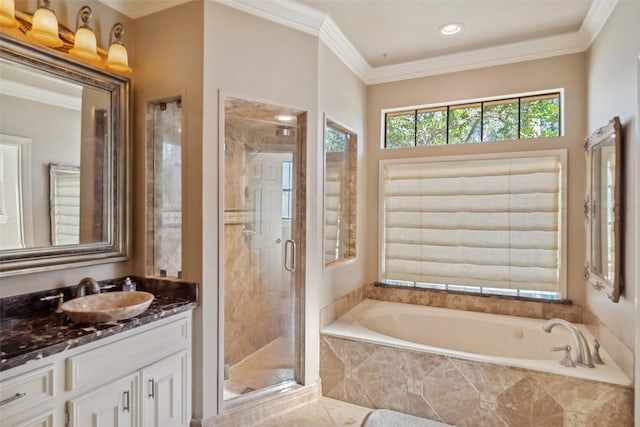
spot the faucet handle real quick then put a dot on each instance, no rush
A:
(566, 360)
(595, 355)
(59, 297)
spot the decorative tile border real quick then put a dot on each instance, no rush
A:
(483, 303)
(252, 410)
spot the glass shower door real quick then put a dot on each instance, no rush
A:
(260, 221)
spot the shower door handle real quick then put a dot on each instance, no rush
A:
(290, 255)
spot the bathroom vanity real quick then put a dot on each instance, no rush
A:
(135, 372)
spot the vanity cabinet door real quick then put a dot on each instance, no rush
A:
(113, 405)
(44, 419)
(164, 392)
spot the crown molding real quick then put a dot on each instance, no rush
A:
(335, 40)
(597, 16)
(479, 58)
(310, 21)
(138, 9)
(285, 12)
(43, 96)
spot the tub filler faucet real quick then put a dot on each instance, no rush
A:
(583, 353)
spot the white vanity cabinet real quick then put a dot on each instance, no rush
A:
(27, 399)
(137, 378)
(164, 393)
(115, 404)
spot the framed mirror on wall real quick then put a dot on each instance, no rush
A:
(340, 160)
(604, 208)
(60, 112)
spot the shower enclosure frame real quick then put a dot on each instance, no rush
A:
(298, 234)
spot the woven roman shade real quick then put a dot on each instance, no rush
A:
(488, 222)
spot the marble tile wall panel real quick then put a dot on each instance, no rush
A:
(340, 306)
(481, 303)
(466, 393)
(619, 352)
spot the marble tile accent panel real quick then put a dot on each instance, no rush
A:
(467, 393)
(256, 408)
(482, 303)
(619, 352)
(340, 306)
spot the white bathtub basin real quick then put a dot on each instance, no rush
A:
(492, 338)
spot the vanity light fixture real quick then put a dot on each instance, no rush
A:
(85, 45)
(45, 27)
(118, 59)
(8, 13)
(450, 29)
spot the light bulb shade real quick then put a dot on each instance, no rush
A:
(8, 13)
(45, 28)
(85, 45)
(118, 59)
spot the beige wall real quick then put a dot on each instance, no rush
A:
(342, 99)
(566, 72)
(248, 57)
(613, 67)
(169, 64)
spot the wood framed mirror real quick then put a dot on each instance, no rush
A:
(603, 209)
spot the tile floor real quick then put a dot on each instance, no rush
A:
(321, 413)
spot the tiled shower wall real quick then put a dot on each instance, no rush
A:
(254, 313)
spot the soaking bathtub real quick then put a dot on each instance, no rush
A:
(467, 369)
(482, 337)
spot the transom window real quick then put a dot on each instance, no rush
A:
(519, 117)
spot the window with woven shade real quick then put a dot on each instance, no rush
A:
(65, 204)
(491, 224)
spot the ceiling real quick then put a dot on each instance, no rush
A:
(385, 40)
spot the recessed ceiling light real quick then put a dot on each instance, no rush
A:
(284, 117)
(450, 29)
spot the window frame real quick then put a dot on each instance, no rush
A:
(450, 104)
(562, 153)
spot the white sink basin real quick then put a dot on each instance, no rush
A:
(107, 307)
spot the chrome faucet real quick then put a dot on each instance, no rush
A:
(94, 288)
(583, 353)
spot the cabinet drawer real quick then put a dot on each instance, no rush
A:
(26, 390)
(44, 419)
(104, 363)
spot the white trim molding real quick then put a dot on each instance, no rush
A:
(311, 21)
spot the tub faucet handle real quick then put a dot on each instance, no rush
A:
(566, 360)
(595, 356)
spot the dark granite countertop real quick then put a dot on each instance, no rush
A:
(31, 330)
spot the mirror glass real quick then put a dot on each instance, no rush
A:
(61, 155)
(340, 153)
(603, 210)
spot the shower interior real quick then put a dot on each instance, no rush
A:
(260, 225)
